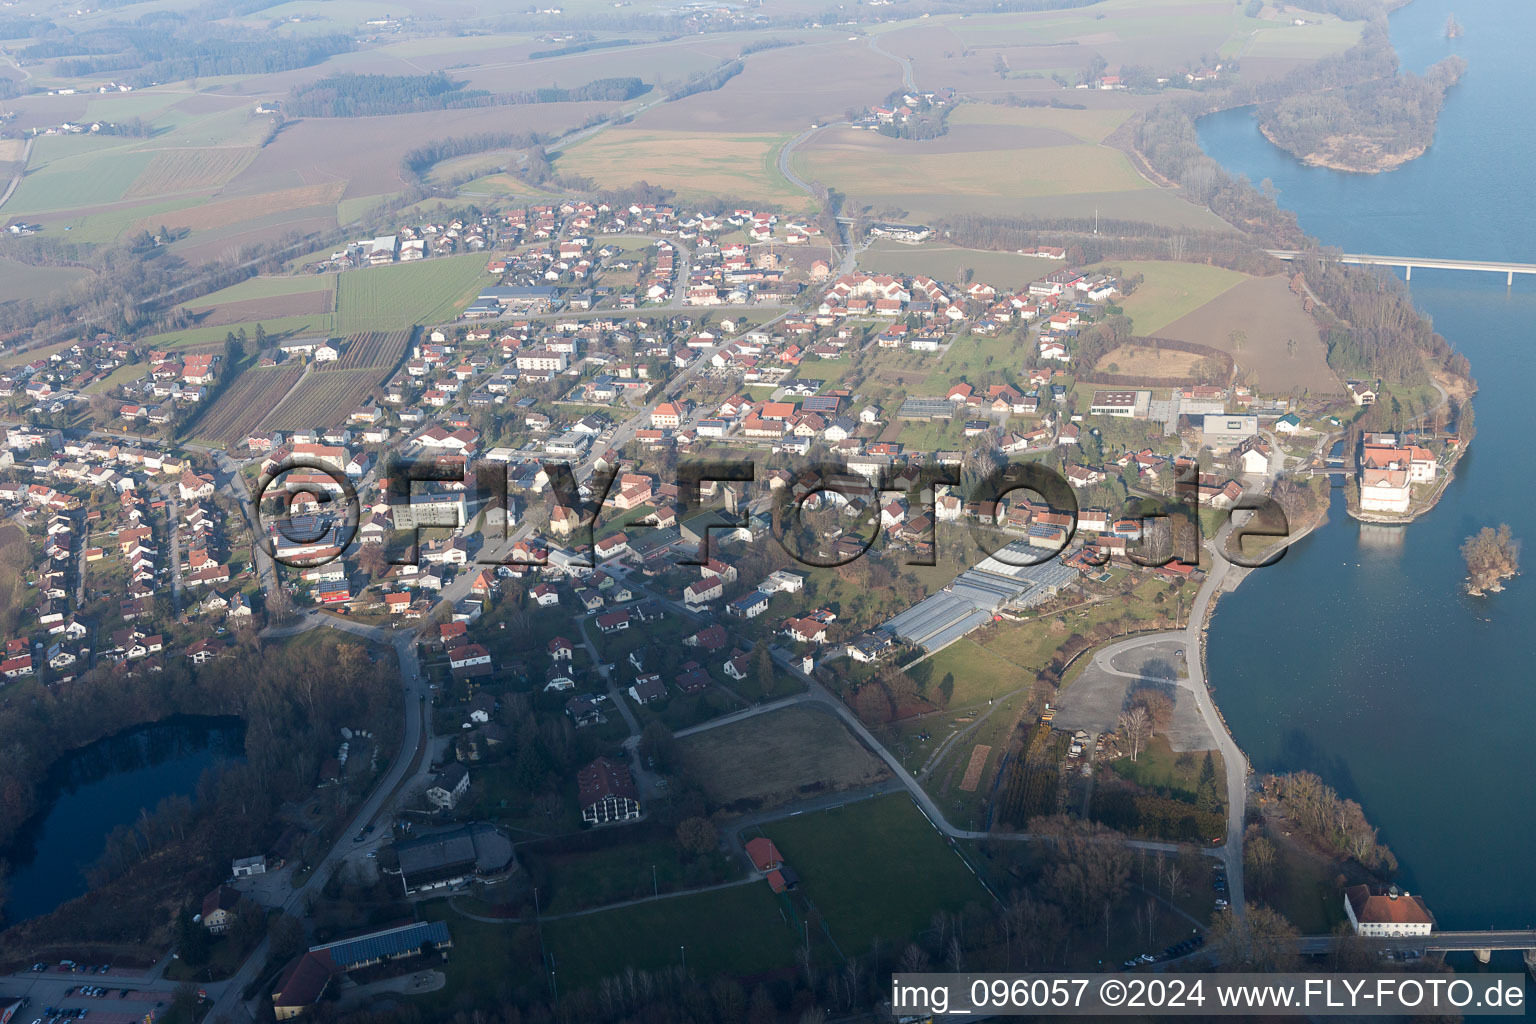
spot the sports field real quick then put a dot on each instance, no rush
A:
(717, 164)
(1146, 361)
(875, 869)
(401, 294)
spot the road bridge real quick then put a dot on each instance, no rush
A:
(1480, 944)
(1407, 263)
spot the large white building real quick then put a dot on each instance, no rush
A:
(1391, 914)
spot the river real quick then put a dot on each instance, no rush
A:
(91, 791)
(1359, 656)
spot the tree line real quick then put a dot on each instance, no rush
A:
(354, 95)
(167, 47)
(706, 81)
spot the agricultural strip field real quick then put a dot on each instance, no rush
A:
(374, 350)
(226, 212)
(188, 170)
(322, 400)
(401, 294)
(776, 757)
(875, 869)
(716, 164)
(249, 397)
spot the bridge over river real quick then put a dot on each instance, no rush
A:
(1407, 263)
(1480, 944)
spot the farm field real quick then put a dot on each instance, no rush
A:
(1170, 290)
(374, 350)
(400, 294)
(776, 757)
(1134, 360)
(187, 170)
(322, 399)
(22, 281)
(867, 164)
(851, 870)
(785, 90)
(1265, 309)
(696, 165)
(266, 288)
(1086, 125)
(87, 180)
(212, 336)
(243, 403)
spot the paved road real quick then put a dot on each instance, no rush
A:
(175, 538)
(15, 182)
(816, 693)
(908, 76)
(415, 737)
(1193, 637)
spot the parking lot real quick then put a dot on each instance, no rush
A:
(87, 994)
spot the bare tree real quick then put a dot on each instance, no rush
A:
(1136, 724)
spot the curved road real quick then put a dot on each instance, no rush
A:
(908, 76)
(416, 726)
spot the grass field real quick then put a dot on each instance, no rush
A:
(1171, 290)
(736, 931)
(84, 181)
(633, 870)
(999, 269)
(976, 359)
(775, 757)
(875, 869)
(867, 164)
(739, 165)
(979, 674)
(402, 294)
(210, 337)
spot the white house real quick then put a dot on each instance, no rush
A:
(1390, 914)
